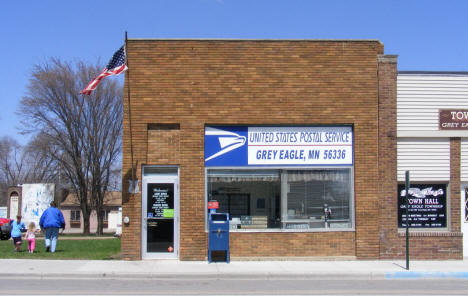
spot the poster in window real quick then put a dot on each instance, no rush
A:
(427, 206)
(161, 201)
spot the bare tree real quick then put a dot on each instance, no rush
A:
(41, 166)
(25, 164)
(83, 132)
(12, 170)
(11, 166)
(103, 125)
(115, 180)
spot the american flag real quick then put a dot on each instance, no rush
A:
(115, 66)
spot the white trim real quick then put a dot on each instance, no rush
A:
(464, 160)
(432, 134)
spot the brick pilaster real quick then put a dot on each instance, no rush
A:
(455, 196)
(387, 190)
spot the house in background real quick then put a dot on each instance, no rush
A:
(71, 210)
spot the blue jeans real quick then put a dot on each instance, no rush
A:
(51, 236)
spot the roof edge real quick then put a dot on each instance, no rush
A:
(253, 39)
(434, 72)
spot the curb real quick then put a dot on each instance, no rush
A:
(201, 276)
(410, 275)
(426, 275)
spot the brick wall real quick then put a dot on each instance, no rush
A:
(276, 244)
(431, 246)
(194, 83)
(164, 144)
(455, 176)
(387, 190)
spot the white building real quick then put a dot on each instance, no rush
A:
(432, 132)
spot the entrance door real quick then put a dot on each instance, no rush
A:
(464, 218)
(160, 216)
(13, 206)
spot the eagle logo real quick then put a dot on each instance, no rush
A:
(228, 141)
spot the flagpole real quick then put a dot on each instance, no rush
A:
(129, 115)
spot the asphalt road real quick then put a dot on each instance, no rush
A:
(201, 286)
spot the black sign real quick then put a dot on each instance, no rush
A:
(160, 201)
(427, 206)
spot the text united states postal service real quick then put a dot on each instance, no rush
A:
(273, 145)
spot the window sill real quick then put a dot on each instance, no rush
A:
(430, 233)
(75, 225)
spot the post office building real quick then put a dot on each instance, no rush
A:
(295, 139)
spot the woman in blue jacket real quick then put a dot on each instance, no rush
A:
(51, 220)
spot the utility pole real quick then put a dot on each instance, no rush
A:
(407, 186)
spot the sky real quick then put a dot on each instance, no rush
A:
(426, 35)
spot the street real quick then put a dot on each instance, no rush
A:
(236, 286)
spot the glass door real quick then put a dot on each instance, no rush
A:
(160, 217)
(464, 218)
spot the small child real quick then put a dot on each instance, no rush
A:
(17, 227)
(30, 235)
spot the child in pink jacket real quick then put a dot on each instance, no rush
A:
(30, 236)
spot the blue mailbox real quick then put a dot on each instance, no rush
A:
(218, 234)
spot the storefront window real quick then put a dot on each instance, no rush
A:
(318, 199)
(252, 198)
(283, 199)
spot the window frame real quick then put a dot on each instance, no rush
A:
(73, 215)
(288, 168)
(73, 222)
(105, 218)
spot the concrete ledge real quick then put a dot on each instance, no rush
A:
(431, 234)
(388, 58)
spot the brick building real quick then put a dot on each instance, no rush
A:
(296, 139)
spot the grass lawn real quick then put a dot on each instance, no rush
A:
(87, 249)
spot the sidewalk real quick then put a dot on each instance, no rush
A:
(236, 269)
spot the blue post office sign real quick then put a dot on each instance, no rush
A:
(278, 146)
